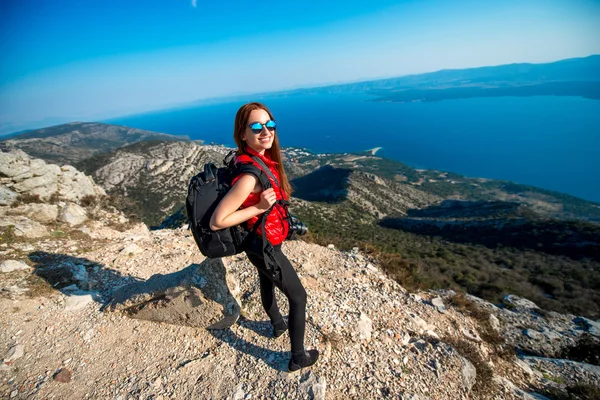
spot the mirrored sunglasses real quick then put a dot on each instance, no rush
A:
(257, 127)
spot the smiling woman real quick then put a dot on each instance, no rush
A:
(264, 211)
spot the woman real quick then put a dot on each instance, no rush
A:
(255, 135)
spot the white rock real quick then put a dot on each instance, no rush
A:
(79, 300)
(532, 334)
(131, 249)
(44, 213)
(72, 214)
(405, 338)
(592, 327)
(494, 322)
(364, 327)
(519, 303)
(420, 322)
(469, 373)
(239, 392)
(14, 353)
(438, 303)
(524, 366)
(7, 196)
(12, 265)
(314, 387)
(24, 227)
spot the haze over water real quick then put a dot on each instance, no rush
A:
(548, 142)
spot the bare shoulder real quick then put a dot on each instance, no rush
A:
(247, 183)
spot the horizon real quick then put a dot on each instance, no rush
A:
(234, 96)
(61, 65)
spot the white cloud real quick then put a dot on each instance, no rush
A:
(194, 3)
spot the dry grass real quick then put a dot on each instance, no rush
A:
(484, 386)
(484, 326)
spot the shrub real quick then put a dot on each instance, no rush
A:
(585, 349)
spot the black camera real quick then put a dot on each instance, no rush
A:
(296, 227)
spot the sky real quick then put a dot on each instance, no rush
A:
(83, 60)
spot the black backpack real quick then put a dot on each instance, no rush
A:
(205, 192)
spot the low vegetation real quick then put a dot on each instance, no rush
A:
(554, 282)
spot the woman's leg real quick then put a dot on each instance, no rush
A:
(267, 291)
(290, 285)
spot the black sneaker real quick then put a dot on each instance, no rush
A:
(304, 360)
(279, 328)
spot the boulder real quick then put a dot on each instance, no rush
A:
(197, 296)
(519, 304)
(469, 373)
(40, 212)
(72, 214)
(590, 326)
(12, 265)
(24, 227)
(25, 175)
(78, 300)
(438, 303)
(7, 196)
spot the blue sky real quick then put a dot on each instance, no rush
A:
(68, 60)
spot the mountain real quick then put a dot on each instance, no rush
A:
(69, 143)
(429, 229)
(570, 77)
(101, 307)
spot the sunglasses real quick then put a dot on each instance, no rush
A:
(257, 127)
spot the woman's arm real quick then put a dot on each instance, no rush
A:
(228, 213)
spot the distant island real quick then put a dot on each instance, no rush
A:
(571, 77)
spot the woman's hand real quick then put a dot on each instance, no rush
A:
(267, 199)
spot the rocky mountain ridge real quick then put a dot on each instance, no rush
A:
(70, 143)
(79, 311)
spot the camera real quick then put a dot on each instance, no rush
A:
(296, 227)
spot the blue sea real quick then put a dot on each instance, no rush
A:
(549, 142)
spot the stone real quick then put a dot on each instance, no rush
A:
(72, 214)
(469, 373)
(524, 366)
(79, 300)
(7, 196)
(43, 213)
(533, 334)
(197, 296)
(364, 327)
(12, 265)
(63, 375)
(590, 326)
(494, 323)
(315, 387)
(419, 322)
(405, 338)
(238, 393)
(24, 227)
(14, 353)
(131, 249)
(438, 303)
(519, 304)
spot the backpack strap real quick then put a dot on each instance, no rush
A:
(257, 172)
(265, 169)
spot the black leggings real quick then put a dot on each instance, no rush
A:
(288, 282)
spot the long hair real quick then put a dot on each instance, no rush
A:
(274, 153)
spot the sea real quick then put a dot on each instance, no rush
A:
(546, 141)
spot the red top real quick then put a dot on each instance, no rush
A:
(277, 224)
